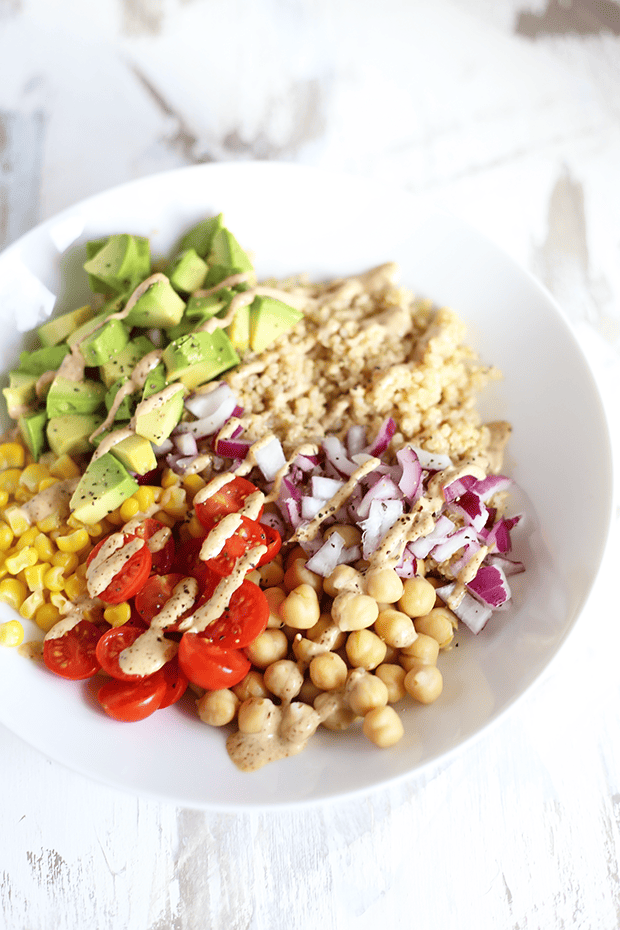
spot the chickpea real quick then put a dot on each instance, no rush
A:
(365, 649)
(295, 553)
(305, 650)
(383, 727)
(301, 609)
(395, 628)
(343, 577)
(424, 648)
(274, 596)
(326, 633)
(328, 671)
(217, 708)
(424, 683)
(351, 535)
(384, 585)
(439, 623)
(253, 714)
(335, 714)
(297, 574)
(284, 679)
(267, 648)
(393, 677)
(270, 574)
(418, 597)
(309, 692)
(253, 685)
(353, 611)
(366, 692)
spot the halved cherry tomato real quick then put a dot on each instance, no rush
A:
(133, 700)
(273, 541)
(248, 535)
(176, 683)
(132, 575)
(156, 592)
(112, 644)
(244, 619)
(163, 558)
(73, 655)
(210, 666)
(229, 499)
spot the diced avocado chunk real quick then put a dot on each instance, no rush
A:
(156, 381)
(159, 306)
(87, 329)
(199, 357)
(225, 250)
(197, 312)
(200, 237)
(68, 435)
(239, 329)
(156, 417)
(21, 392)
(219, 273)
(123, 363)
(187, 272)
(32, 429)
(135, 453)
(42, 360)
(65, 396)
(128, 404)
(117, 263)
(57, 329)
(103, 487)
(104, 342)
(269, 318)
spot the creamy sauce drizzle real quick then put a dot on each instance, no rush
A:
(109, 561)
(54, 499)
(307, 531)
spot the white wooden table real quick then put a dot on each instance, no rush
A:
(509, 113)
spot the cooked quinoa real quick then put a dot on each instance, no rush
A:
(367, 349)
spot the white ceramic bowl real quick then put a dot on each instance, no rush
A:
(298, 219)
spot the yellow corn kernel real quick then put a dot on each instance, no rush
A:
(146, 495)
(115, 517)
(4, 498)
(31, 605)
(22, 559)
(165, 518)
(35, 575)
(44, 546)
(173, 502)
(11, 633)
(54, 579)
(46, 616)
(64, 467)
(22, 494)
(59, 601)
(81, 570)
(9, 480)
(169, 479)
(195, 527)
(12, 455)
(13, 592)
(16, 519)
(33, 475)
(68, 561)
(192, 484)
(129, 509)
(74, 542)
(27, 538)
(118, 614)
(6, 537)
(47, 483)
(75, 587)
(49, 524)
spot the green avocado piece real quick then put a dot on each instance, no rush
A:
(219, 273)
(128, 403)
(117, 263)
(239, 329)
(156, 381)
(197, 312)
(20, 393)
(199, 357)
(187, 271)
(159, 306)
(225, 250)
(103, 487)
(123, 363)
(57, 329)
(86, 329)
(104, 343)
(269, 318)
(69, 434)
(32, 429)
(135, 453)
(42, 360)
(200, 237)
(66, 396)
(157, 421)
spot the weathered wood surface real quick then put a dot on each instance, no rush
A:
(507, 112)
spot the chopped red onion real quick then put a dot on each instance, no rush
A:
(232, 448)
(432, 461)
(470, 611)
(325, 488)
(310, 506)
(337, 455)
(383, 437)
(444, 550)
(423, 545)
(381, 518)
(270, 458)
(472, 509)
(490, 586)
(325, 560)
(383, 489)
(186, 444)
(411, 476)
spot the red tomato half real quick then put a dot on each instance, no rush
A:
(248, 535)
(176, 683)
(273, 541)
(133, 700)
(162, 559)
(210, 666)
(229, 499)
(130, 578)
(112, 644)
(73, 655)
(155, 593)
(242, 621)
